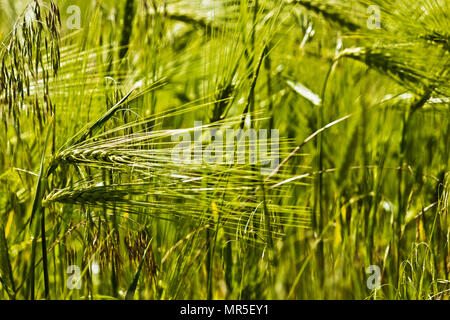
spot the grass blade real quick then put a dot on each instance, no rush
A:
(5, 266)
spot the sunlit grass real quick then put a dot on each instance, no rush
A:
(88, 178)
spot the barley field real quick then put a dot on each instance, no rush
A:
(224, 149)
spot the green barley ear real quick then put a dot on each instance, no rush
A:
(203, 24)
(438, 38)
(332, 12)
(409, 71)
(411, 44)
(156, 186)
(223, 100)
